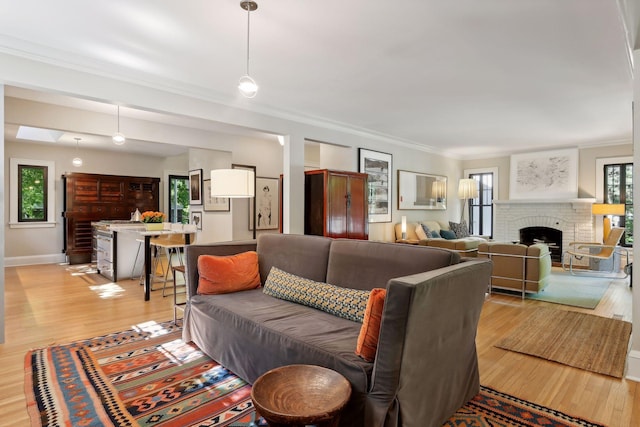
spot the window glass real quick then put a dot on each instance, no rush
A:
(32, 190)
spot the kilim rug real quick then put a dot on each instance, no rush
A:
(147, 376)
(594, 343)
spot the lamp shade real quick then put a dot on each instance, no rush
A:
(234, 183)
(439, 189)
(467, 188)
(607, 209)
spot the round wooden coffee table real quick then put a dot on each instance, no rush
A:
(297, 395)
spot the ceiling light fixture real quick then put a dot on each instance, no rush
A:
(119, 138)
(247, 86)
(77, 161)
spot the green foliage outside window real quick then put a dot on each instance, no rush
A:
(33, 193)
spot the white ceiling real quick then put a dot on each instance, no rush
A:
(463, 77)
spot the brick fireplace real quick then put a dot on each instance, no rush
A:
(572, 217)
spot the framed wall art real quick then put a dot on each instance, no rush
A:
(378, 166)
(214, 204)
(195, 187)
(544, 175)
(267, 215)
(195, 218)
(251, 202)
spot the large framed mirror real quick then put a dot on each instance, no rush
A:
(421, 191)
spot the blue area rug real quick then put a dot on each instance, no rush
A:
(576, 291)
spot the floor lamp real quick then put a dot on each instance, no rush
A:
(467, 189)
(233, 183)
(606, 209)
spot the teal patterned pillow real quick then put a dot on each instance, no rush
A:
(342, 302)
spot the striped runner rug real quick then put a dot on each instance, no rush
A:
(148, 376)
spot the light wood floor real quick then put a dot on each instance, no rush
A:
(52, 304)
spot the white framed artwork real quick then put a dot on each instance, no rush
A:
(544, 175)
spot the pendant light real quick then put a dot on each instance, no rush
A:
(247, 86)
(118, 138)
(77, 161)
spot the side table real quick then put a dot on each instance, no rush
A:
(299, 395)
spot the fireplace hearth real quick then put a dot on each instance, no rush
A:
(549, 236)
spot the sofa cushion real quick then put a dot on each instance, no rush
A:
(342, 302)
(368, 339)
(250, 333)
(420, 232)
(224, 274)
(362, 264)
(460, 229)
(448, 234)
(433, 225)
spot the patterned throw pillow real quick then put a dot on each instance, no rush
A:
(461, 229)
(347, 303)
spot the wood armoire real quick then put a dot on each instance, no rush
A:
(336, 204)
(94, 197)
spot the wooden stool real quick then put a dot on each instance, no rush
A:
(298, 395)
(177, 305)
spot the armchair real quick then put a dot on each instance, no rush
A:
(597, 251)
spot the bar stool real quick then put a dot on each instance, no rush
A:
(173, 246)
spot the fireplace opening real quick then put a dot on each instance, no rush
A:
(547, 235)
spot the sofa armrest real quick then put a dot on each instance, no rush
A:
(429, 323)
(192, 252)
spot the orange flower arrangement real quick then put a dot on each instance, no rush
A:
(151, 216)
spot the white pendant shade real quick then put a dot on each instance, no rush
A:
(248, 87)
(77, 162)
(234, 183)
(119, 138)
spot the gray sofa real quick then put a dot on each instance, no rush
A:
(426, 364)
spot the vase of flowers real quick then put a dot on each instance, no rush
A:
(152, 220)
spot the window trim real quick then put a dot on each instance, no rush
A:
(13, 193)
(599, 183)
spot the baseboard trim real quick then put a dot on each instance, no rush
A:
(633, 366)
(35, 260)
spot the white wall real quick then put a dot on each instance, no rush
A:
(42, 245)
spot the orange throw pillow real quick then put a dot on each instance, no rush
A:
(225, 274)
(370, 330)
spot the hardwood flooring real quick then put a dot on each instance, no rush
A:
(51, 304)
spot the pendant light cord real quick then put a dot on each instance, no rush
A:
(118, 118)
(248, 28)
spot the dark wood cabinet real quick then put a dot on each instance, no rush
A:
(335, 204)
(95, 197)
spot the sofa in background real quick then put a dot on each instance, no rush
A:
(465, 246)
(518, 267)
(425, 367)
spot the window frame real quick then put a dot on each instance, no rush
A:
(495, 172)
(14, 173)
(601, 162)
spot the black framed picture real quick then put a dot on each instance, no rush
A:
(196, 219)
(267, 216)
(379, 168)
(195, 187)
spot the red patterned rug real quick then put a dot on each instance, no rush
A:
(149, 376)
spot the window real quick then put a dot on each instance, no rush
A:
(179, 199)
(618, 188)
(31, 193)
(481, 208)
